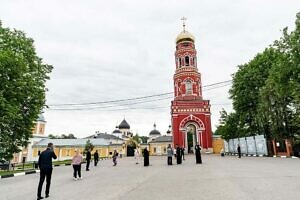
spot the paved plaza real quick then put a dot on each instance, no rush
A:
(226, 178)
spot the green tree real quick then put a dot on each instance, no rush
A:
(276, 101)
(22, 90)
(290, 45)
(69, 136)
(144, 139)
(247, 83)
(63, 136)
(88, 146)
(228, 126)
(266, 92)
(51, 136)
(136, 138)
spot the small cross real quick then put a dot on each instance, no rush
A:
(183, 22)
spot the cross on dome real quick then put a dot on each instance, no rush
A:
(184, 35)
(183, 19)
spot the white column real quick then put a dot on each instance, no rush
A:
(37, 128)
(59, 154)
(201, 141)
(185, 141)
(197, 137)
(29, 152)
(20, 156)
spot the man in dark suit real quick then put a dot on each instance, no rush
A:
(45, 165)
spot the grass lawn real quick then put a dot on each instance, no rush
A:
(61, 162)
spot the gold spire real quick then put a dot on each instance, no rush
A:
(184, 35)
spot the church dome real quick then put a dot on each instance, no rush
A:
(154, 132)
(124, 125)
(117, 130)
(41, 118)
(184, 35)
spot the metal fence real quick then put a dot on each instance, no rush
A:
(254, 145)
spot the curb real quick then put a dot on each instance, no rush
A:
(57, 165)
(20, 174)
(259, 155)
(28, 172)
(37, 171)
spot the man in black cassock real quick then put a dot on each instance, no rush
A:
(96, 158)
(88, 160)
(198, 154)
(239, 151)
(146, 157)
(178, 154)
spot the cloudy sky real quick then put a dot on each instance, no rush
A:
(113, 50)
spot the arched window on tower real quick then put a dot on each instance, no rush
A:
(188, 87)
(187, 61)
(194, 62)
(180, 62)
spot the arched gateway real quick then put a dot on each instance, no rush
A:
(191, 129)
(191, 121)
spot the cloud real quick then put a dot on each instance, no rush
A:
(108, 50)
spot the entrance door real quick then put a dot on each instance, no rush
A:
(191, 138)
(130, 150)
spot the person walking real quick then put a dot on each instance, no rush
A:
(115, 156)
(178, 155)
(169, 154)
(174, 151)
(137, 155)
(88, 160)
(146, 157)
(96, 158)
(239, 151)
(76, 163)
(121, 153)
(198, 154)
(45, 165)
(222, 152)
(182, 153)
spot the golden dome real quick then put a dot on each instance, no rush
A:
(184, 35)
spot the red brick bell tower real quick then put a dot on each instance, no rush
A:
(191, 122)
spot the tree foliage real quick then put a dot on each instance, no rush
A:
(137, 138)
(266, 92)
(22, 90)
(144, 139)
(63, 136)
(227, 127)
(88, 146)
